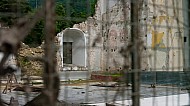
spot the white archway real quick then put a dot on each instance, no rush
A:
(77, 40)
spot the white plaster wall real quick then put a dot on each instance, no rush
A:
(186, 34)
(60, 40)
(1, 56)
(107, 5)
(165, 55)
(78, 39)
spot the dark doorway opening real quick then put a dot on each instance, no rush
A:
(67, 52)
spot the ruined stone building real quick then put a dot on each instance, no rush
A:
(96, 43)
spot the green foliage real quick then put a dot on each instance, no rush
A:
(35, 3)
(12, 9)
(71, 12)
(113, 74)
(36, 36)
(68, 12)
(24, 61)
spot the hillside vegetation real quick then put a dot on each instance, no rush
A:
(68, 13)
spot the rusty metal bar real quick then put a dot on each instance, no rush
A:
(51, 78)
(135, 53)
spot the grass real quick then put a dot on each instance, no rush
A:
(112, 74)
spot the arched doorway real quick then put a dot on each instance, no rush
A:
(74, 47)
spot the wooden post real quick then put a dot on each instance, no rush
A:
(9, 83)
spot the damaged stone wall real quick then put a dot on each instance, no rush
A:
(161, 33)
(164, 34)
(92, 26)
(115, 36)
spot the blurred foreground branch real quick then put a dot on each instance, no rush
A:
(10, 39)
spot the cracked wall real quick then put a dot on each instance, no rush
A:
(162, 34)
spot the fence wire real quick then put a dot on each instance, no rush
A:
(128, 53)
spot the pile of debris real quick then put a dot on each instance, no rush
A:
(30, 59)
(25, 58)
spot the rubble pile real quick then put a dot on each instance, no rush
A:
(30, 67)
(28, 59)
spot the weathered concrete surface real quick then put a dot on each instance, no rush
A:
(94, 94)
